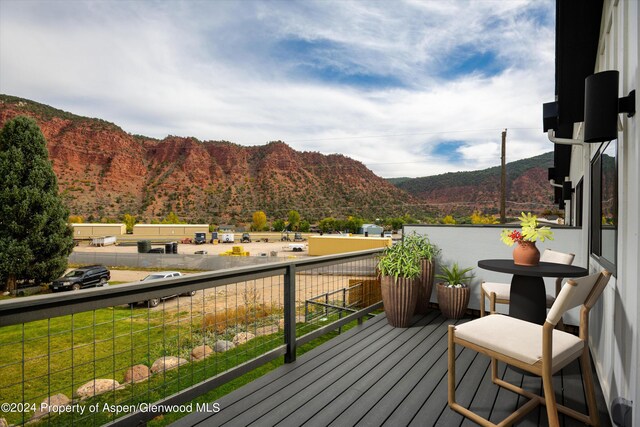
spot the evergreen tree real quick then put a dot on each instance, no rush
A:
(35, 239)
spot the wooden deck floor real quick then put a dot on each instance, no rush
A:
(376, 375)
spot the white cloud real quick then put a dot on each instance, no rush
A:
(225, 70)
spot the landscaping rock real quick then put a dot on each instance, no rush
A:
(137, 373)
(243, 337)
(267, 330)
(166, 363)
(299, 319)
(96, 387)
(200, 352)
(221, 346)
(46, 405)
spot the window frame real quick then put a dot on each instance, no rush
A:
(595, 223)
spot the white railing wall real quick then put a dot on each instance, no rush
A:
(467, 244)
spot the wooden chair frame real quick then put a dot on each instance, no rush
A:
(542, 368)
(493, 299)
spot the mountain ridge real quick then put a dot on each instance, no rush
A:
(105, 172)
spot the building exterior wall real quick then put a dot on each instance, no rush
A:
(169, 230)
(615, 324)
(98, 230)
(328, 245)
(372, 229)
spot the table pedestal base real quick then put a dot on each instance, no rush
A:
(528, 300)
(527, 296)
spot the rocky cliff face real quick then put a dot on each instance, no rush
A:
(105, 172)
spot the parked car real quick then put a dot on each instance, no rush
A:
(80, 278)
(200, 238)
(154, 302)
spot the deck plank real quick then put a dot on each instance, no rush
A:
(302, 387)
(378, 402)
(342, 375)
(237, 401)
(485, 399)
(366, 391)
(375, 375)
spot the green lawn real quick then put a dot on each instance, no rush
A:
(61, 354)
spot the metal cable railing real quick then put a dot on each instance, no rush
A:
(99, 357)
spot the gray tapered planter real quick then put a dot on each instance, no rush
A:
(425, 286)
(399, 297)
(453, 301)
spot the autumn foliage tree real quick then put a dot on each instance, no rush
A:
(129, 221)
(35, 238)
(294, 220)
(259, 222)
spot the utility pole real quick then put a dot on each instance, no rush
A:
(503, 179)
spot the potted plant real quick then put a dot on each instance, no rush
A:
(454, 292)
(426, 251)
(526, 253)
(399, 268)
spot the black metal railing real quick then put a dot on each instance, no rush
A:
(98, 356)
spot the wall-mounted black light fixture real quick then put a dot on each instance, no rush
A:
(550, 116)
(602, 106)
(567, 190)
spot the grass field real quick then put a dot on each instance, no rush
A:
(59, 355)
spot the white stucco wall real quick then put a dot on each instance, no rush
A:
(466, 245)
(614, 336)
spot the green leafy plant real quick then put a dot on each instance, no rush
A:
(531, 231)
(454, 277)
(422, 246)
(400, 260)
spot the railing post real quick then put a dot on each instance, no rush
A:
(290, 313)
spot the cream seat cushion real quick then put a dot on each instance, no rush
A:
(518, 339)
(502, 291)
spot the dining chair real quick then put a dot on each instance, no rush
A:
(538, 349)
(498, 293)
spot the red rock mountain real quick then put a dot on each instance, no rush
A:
(105, 172)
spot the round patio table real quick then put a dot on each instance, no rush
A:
(528, 294)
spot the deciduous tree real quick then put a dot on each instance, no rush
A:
(259, 221)
(129, 221)
(294, 220)
(172, 218)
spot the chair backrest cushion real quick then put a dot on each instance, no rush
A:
(556, 257)
(575, 293)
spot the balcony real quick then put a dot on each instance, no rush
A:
(249, 317)
(376, 375)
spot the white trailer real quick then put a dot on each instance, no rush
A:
(227, 238)
(103, 241)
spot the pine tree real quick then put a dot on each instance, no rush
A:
(35, 239)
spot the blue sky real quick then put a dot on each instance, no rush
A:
(410, 88)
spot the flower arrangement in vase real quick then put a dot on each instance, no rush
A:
(526, 253)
